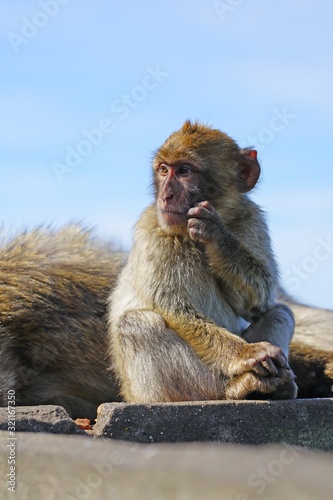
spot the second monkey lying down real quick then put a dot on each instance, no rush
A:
(194, 314)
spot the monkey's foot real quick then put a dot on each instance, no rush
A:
(250, 385)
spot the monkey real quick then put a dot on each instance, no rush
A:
(59, 319)
(53, 290)
(194, 314)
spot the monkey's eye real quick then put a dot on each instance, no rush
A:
(184, 169)
(163, 169)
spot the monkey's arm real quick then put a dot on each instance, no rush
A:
(227, 352)
(249, 281)
(246, 270)
(251, 368)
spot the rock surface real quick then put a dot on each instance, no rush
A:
(35, 463)
(54, 419)
(307, 422)
(75, 467)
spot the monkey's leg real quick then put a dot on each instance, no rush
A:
(154, 364)
(275, 326)
(250, 367)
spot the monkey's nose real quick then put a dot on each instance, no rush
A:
(168, 196)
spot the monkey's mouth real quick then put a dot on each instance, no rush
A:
(174, 218)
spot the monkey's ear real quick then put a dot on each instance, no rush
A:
(249, 169)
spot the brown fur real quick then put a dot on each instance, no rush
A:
(200, 263)
(314, 370)
(53, 291)
(311, 351)
(53, 288)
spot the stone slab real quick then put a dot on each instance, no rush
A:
(56, 467)
(48, 418)
(304, 422)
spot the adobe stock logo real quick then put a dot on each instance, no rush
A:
(225, 8)
(301, 272)
(31, 27)
(279, 121)
(264, 476)
(121, 108)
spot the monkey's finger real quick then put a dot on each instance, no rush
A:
(243, 386)
(263, 365)
(275, 353)
(280, 360)
(268, 363)
(197, 231)
(200, 212)
(256, 365)
(287, 374)
(286, 391)
(195, 223)
(205, 204)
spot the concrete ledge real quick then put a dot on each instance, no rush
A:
(303, 422)
(48, 418)
(306, 422)
(72, 467)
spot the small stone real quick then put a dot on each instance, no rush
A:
(48, 418)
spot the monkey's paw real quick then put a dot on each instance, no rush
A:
(261, 370)
(253, 386)
(261, 358)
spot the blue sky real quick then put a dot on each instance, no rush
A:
(90, 89)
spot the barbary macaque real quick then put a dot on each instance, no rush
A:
(53, 290)
(194, 314)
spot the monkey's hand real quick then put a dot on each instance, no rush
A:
(261, 369)
(252, 386)
(204, 223)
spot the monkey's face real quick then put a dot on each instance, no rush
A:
(197, 164)
(178, 190)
